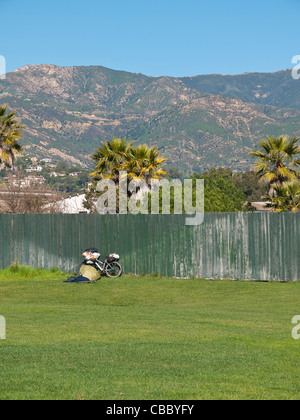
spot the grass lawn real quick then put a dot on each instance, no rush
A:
(149, 338)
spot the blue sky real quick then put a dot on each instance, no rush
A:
(166, 37)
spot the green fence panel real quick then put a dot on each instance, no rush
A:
(249, 246)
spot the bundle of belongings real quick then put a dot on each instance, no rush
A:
(88, 272)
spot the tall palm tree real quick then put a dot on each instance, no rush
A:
(110, 159)
(277, 160)
(118, 155)
(145, 163)
(10, 134)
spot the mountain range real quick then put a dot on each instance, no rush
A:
(196, 122)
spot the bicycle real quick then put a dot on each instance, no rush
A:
(110, 267)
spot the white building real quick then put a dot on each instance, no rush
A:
(73, 205)
(35, 169)
(75, 173)
(29, 180)
(55, 175)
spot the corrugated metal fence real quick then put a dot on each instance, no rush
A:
(259, 246)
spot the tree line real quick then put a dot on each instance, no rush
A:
(275, 178)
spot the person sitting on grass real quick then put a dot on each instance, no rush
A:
(88, 273)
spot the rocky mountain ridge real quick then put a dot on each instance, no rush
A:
(196, 122)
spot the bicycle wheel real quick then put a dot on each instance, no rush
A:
(114, 270)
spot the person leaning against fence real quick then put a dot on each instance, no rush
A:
(88, 273)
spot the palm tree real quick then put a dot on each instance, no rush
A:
(286, 198)
(277, 160)
(142, 162)
(110, 159)
(117, 155)
(10, 133)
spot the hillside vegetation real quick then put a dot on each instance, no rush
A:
(197, 123)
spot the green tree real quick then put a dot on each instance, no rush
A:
(277, 161)
(23, 162)
(142, 162)
(10, 134)
(286, 197)
(110, 159)
(118, 155)
(62, 167)
(174, 173)
(221, 194)
(248, 182)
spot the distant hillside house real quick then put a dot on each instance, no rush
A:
(75, 173)
(29, 180)
(55, 174)
(35, 178)
(35, 169)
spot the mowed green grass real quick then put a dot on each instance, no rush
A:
(149, 338)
